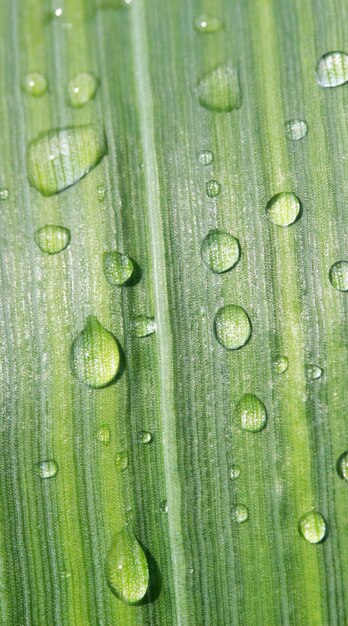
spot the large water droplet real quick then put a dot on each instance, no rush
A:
(35, 84)
(208, 24)
(332, 69)
(121, 460)
(338, 275)
(144, 436)
(4, 193)
(47, 469)
(283, 209)
(205, 157)
(103, 434)
(143, 326)
(118, 268)
(127, 571)
(313, 372)
(240, 513)
(95, 355)
(296, 129)
(312, 527)
(220, 251)
(232, 327)
(52, 239)
(280, 364)
(219, 90)
(342, 465)
(251, 413)
(213, 188)
(59, 158)
(234, 472)
(81, 89)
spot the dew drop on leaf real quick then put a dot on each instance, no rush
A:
(342, 465)
(81, 89)
(232, 327)
(144, 436)
(240, 513)
(312, 527)
(4, 193)
(280, 364)
(121, 460)
(313, 372)
(118, 268)
(143, 326)
(220, 251)
(47, 469)
(219, 90)
(35, 84)
(208, 24)
(190, 570)
(205, 157)
(235, 472)
(213, 188)
(338, 275)
(127, 571)
(95, 355)
(164, 506)
(283, 209)
(101, 193)
(52, 239)
(103, 435)
(251, 413)
(296, 129)
(332, 69)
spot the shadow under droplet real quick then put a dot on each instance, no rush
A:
(135, 278)
(155, 579)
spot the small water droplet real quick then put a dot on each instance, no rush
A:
(118, 268)
(144, 436)
(251, 413)
(205, 157)
(235, 472)
(338, 275)
(312, 527)
(121, 460)
(4, 193)
(208, 24)
(143, 326)
(313, 372)
(190, 570)
(342, 465)
(81, 89)
(95, 355)
(332, 69)
(103, 434)
(296, 129)
(101, 193)
(127, 571)
(220, 251)
(219, 90)
(232, 327)
(280, 364)
(240, 513)
(57, 159)
(52, 239)
(213, 188)
(283, 209)
(164, 506)
(47, 469)
(35, 84)
(65, 575)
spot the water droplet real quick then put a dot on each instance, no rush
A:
(240, 514)
(121, 460)
(235, 472)
(208, 24)
(296, 129)
(280, 364)
(190, 570)
(220, 251)
(332, 69)
(283, 209)
(205, 157)
(164, 506)
(338, 275)
(59, 158)
(312, 527)
(144, 436)
(81, 89)
(213, 188)
(232, 327)
(4, 193)
(143, 326)
(101, 193)
(219, 90)
(47, 469)
(35, 84)
(127, 571)
(313, 372)
(103, 434)
(52, 239)
(95, 355)
(65, 575)
(251, 413)
(342, 465)
(118, 268)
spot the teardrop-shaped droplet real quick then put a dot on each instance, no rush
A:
(213, 188)
(208, 24)
(220, 251)
(95, 355)
(145, 436)
(280, 364)
(232, 327)
(342, 465)
(283, 209)
(338, 275)
(313, 372)
(240, 513)
(205, 157)
(143, 326)
(219, 90)
(59, 158)
(296, 129)
(4, 193)
(35, 84)
(52, 239)
(81, 89)
(332, 69)
(251, 413)
(164, 506)
(103, 434)
(127, 571)
(312, 527)
(47, 469)
(121, 460)
(118, 268)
